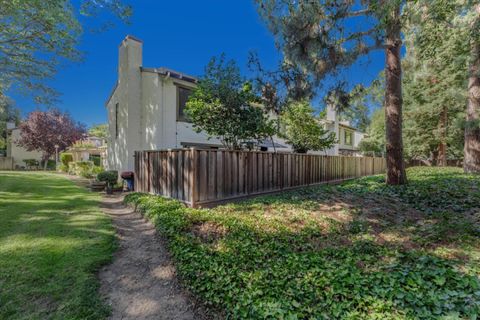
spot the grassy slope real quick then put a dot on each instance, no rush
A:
(53, 238)
(357, 250)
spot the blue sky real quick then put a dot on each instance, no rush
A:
(181, 35)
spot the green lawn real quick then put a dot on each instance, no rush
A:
(359, 250)
(53, 238)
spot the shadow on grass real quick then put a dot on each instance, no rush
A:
(52, 240)
(358, 251)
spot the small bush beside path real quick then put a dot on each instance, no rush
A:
(359, 250)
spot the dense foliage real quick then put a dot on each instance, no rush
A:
(109, 176)
(37, 35)
(325, 37)
(99, 130)
(361, 250)
(223, 105)
(433, 109)
(447, 41)
(302, 130)
(49, 131)
(279, 87)
(374, 142)
(66, 158)
(8, 113)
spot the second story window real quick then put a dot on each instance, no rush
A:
(116, 120)
(182, 96)
(348, 138)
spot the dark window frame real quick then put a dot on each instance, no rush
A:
(116, 120)
(181, 117)
(350, 134)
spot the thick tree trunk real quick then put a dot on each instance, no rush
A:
(393, 103)
(442, 146)
(471, 162)
(434, 156)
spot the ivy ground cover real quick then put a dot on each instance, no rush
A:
(53, 238)
(360, 250)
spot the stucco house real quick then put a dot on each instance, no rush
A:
(146, 112)
(348, 137)
(90, 148)
(17, 152)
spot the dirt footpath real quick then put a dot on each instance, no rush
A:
(140, 283)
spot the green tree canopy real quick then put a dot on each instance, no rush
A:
(223, 105)
(99, 130)
(325, 37)
(374, 141)
(37, 35)
(8, 113)
(446, 38)
(302, 130)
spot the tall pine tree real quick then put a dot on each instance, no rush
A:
(325, 36)
(461, 18)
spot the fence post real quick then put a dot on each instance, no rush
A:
(193, 177)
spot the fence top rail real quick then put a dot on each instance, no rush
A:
(256, 151)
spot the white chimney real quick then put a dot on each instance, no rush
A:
(129, 56)
(332, 113)
(129, 95)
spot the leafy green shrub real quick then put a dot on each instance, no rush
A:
(29, 163)
(96, 159)
(97, 169)
(51, 164)
(72, 168)
(82, 168)
(62, 168)
(110, 177)
(250, 260)
(66, 158)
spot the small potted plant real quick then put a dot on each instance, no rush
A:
(110, 178)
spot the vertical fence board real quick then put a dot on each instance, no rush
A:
(241, 173)
(212, 171)
(198, 176)
(219, 174)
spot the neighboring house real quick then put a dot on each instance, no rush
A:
(89, 148)
(347, 136)
(17, 152)
(146, 112)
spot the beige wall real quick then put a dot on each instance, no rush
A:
(128, 94)
(147, 115)
(19, 153)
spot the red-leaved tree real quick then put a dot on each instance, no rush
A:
(43, 130)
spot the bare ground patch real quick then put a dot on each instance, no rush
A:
(208, 232)
(141, 282)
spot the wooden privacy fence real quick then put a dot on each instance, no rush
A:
(6, 163)
(202, 177)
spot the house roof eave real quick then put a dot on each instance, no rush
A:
(111, 94)
(171, 73)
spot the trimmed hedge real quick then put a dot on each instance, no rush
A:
(66, 158)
